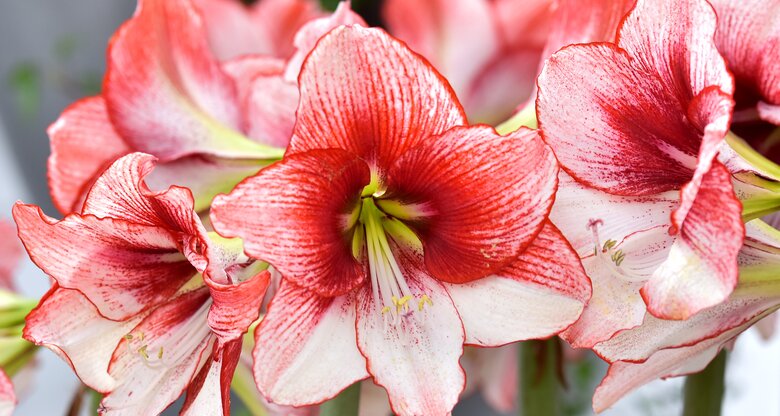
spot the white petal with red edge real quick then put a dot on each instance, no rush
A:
(154, 366)
(615, 217)
(415, 359)
(68, 324)
(701, 268)
(306, 351)
(121, 267)
(538, 295)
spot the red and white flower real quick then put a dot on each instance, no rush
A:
(637, 124)
(7, 396)
(401, 235)
(146, 303)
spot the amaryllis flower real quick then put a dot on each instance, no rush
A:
(400, 236)
(637, 124)
(165, 94)
(748, 36)
(663, 348)
(146, 304)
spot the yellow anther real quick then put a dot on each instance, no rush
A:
(142, 351)
(141, 335)
(160, 354)
(385, 310)
(423, 300)
(128, 337)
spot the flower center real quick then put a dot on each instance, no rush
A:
(377, 225)
(611, 257)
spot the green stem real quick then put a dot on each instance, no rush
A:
(345, 404)
(539, 389)
(704, 390)
(244, 386)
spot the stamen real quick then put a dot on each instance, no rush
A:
(612, 259)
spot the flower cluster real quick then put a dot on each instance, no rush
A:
(280, 169)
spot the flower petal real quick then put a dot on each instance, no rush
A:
(654, 103)
(435, 29)
(488, 197)
(204, 176)
(291, 215)
(160, 59)
(83, 145)
(616, 304)
(305, 351)
(539, 294)
(7, 395)
(10, 254)
(748, 38)
(270, 105)
(120, 266)
(615, 217)
(701, 269)
(416, 359)
(365, 92)
(308, 35)
(209, 393)
(69, 325)
(160, 358)
(752, 299)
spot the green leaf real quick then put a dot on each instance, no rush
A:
(24, 80)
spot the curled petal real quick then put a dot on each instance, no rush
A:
(364, 92)
(209, 392)
(121, 267)
(539, 294)
(486, 197)
(292, 215)
(305, 351)
(415, 359)
(83, 145)
(701, 269)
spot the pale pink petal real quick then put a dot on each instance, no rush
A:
(308, 35)
(270, 109)
(416, 358)
(436, 29)
(280, 20)
(83, 145)
(769, 112)
(538, 295)
(498, 367)
(306, 349)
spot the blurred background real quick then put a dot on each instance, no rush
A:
(53, 53)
